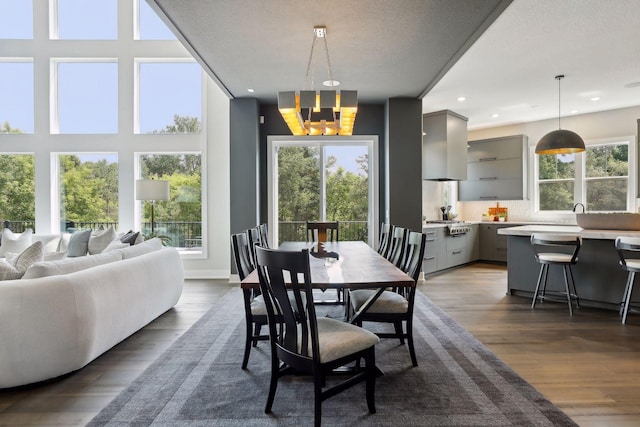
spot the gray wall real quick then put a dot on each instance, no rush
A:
(404, 150)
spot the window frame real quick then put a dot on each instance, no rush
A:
(580, 179)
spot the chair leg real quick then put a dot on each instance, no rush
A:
(398, 327)
(566, 287)
(573, 284)
(535, 294)
(317, 401)
(273, 385)
(370, 360)
(627, 298)
(626, 291)
(247, 345)
(412, 350)
(256, 333)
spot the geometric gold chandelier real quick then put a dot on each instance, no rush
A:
(324, 112)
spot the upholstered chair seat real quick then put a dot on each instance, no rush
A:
(339, 339)
(388, 302)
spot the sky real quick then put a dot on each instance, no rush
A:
(84, 106)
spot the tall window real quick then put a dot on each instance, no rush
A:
(87, 97)
(17, 198)
(150, 26)
(600, 178)
(16, 99)
(88, 185)
(85, 20)
(16, 19)
(177, 221)
(322, 180)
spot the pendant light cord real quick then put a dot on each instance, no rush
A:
(559, 77)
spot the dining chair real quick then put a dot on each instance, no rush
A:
(395, 305)
(264, 235)
(255, 311)
(386, 231)
(396, 252)
(253, 235)
(561, 250)
(304, 343)
(317, 229)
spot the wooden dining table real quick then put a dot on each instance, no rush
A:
(345, 265)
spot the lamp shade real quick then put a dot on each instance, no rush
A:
(560, 141)
(152, 189)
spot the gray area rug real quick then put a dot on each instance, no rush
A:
(459, 382)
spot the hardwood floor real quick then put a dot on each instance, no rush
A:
(588, 365)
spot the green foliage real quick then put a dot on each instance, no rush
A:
(6, 128)
(298, 183)
(181, 124)
(17, 198)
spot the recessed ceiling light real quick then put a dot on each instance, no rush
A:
(495, 116)
(462, 99)
(595, 98)
(574, 111)
(250, 90)
(331, 83)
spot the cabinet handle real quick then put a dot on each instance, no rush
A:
(456, 252)
(487, 159)
(431, 240)
(429, 258)
(489, 178)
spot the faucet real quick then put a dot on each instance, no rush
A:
(576, 205)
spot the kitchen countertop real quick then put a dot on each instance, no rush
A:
(527, 230)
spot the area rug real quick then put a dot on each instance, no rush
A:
(459, 382)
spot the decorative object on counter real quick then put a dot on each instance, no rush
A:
(345, 103)
(498, 213)
(561, 141)
(608, 220)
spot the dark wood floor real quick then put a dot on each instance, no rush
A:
(588, 365)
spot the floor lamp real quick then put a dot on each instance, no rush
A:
(152, 190)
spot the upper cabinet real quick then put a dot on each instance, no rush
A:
(444, 143)
(496, 169)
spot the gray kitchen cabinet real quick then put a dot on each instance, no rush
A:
(433, 247)
(493, 246)
(496, 169)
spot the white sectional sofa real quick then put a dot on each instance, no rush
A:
(55, 320)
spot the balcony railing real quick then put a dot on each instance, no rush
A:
(181, 234)
(296, 231)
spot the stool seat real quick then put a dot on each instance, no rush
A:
(627, 246)
(565, 254)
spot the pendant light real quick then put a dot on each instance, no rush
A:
(560, 141)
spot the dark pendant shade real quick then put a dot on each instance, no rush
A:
(560, 141)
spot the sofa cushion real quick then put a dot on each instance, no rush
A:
(145, 247)
(69, 265)
(79, 243)
(15, 243)
(8, 271)
(116, 244)
(54, 256)
(100, 239)
(50, 242)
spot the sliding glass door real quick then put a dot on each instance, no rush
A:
(322, 179)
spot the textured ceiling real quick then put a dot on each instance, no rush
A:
(381, 48)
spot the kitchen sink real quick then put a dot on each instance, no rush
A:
(608, 221)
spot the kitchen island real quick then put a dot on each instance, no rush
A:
(600, 281)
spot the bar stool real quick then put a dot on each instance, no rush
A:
(625, 245)
(556, 249)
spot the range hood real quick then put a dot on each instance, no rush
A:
(444, 146)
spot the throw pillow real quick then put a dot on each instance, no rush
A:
(24, 260)
(79, 243)
(100, 239)
(14, 243)
(8, 271)
(130, 237)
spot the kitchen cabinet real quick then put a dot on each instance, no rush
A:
(496, 169)
(444, 251)
(444, 141)
(434, 246)
(493, 246)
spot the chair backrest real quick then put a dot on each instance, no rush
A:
(386, 231)
(396, 252)
(264, 235)
(322, 231)
(254, 240)
(563, 243)
(242, 254)
(625, 246)
(290, 319)
(414, 253)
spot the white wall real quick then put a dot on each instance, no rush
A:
(594, 126)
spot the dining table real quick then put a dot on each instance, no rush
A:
(345, 265)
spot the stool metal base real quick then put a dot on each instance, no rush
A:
(569, 295)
